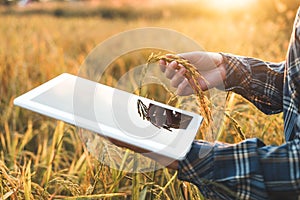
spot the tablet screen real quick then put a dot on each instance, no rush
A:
(114, 113)
(95, 103)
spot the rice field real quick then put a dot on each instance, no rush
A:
(41, 158)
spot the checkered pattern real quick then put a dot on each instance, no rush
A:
(250, 169)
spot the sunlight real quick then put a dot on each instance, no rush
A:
(230, 4)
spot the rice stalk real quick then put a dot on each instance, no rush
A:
(193, 76)
(158, 187)
(38, 191)
(229, 106)
(9, 184)
(267, 125)
(151, 177)
(170, 181)
(171, 184)
(3, 143)
(143, 75)
(77, 164)
(122, 166)
(27, 136)
(237, 126)
(184, 190)
(136, 179)
(27, 181)
(10, 144)
(143, 193)
(55, 148)
(74, 188)
(120, 173)
(7, 195)
(194, 192)
(94, 196)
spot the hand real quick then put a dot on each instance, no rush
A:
(209, 64)
(163, 160)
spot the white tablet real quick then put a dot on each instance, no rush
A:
(115, 113)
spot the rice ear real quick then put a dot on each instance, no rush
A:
(193, 76)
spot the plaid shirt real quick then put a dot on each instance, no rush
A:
(250, 169)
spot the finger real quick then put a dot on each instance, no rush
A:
(170, 69)
(178, 77)
(170, 55)
(184, 88)
(162, 65)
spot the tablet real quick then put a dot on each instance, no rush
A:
(115, 113)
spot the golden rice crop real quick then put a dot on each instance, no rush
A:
(41, 158)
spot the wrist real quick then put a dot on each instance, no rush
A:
(221, 65)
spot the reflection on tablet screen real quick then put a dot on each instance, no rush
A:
(163, 117)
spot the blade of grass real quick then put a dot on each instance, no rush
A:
(237, 127)
(120, 173)
(7, 195)
(56, 146)
(136, 179)
(143, 193)
(170, 181)
(27, 181)
(229, 105)
(27, 136)
(8, 140)
(94, 196)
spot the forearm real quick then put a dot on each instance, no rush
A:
(258, 81)
(247, 170)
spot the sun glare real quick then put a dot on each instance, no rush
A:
(231, 4)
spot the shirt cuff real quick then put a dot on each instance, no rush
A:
(238, 73)
(198, 164)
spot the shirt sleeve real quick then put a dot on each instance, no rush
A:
(247, 170)
(258, 81)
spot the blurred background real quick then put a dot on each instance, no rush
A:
(41, 158)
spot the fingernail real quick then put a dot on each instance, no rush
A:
(162, 62)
